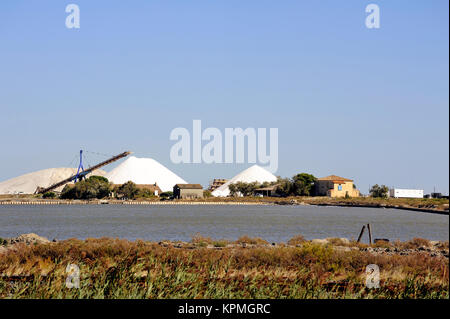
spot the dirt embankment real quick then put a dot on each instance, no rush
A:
(431, 205)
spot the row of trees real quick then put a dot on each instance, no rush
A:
(299, 185)
(246, 189)
(130, 190)
(93, 187)
(98, 187)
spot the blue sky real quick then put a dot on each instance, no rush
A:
(368, 104)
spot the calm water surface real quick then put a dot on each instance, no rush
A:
(178, 222)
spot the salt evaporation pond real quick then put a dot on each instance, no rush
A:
(181, 222)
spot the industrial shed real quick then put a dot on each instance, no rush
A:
(188, 191)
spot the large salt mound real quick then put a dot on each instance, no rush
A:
(27, 184)
(253, 174)
(144, 171)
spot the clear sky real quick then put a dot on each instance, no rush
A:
(367, 104)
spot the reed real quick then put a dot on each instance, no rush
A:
(115, 268)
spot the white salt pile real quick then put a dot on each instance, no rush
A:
(253, 174)
(27, 184)
(144, 171)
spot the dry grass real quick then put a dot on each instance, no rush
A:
(443, 245)
(114, 268)
(296, 240)
(416, 243)
(251, 240)
(338, 242)
(201, 240)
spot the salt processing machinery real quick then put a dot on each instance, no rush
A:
(81, 172)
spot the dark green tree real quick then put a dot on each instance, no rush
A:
(379, 191)
(93, 187)
(299, 185)
(244, 189)
(233, 189)
(129, 190)
(303, 184)
(207, 193)
(168, 194)
(285, 187)
(49, 195)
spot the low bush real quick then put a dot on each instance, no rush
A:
(49, 195)
(296, 240)
(416, 243)
(93, 187)
(220, 243)
(166, 195)
(199, 239)
(251, 241)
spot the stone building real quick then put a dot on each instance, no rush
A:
(335, 186)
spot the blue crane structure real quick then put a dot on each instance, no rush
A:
(79, 176)
(81, 172)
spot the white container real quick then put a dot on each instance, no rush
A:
(406, 193)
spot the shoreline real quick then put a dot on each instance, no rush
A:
(386, 203)
(416, 209)
(439, 247)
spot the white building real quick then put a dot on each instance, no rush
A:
(406, 193)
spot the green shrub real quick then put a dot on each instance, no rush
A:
(129, 190)
(49, 195)
(93, 187)
(379, 191)
(166, 195)
(207, 193)
(220, 243)
(145, 193)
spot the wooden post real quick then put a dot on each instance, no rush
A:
(370, 234)
(361, 233)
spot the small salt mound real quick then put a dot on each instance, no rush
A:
(27, 184)
(253, 174)
(144, 171)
